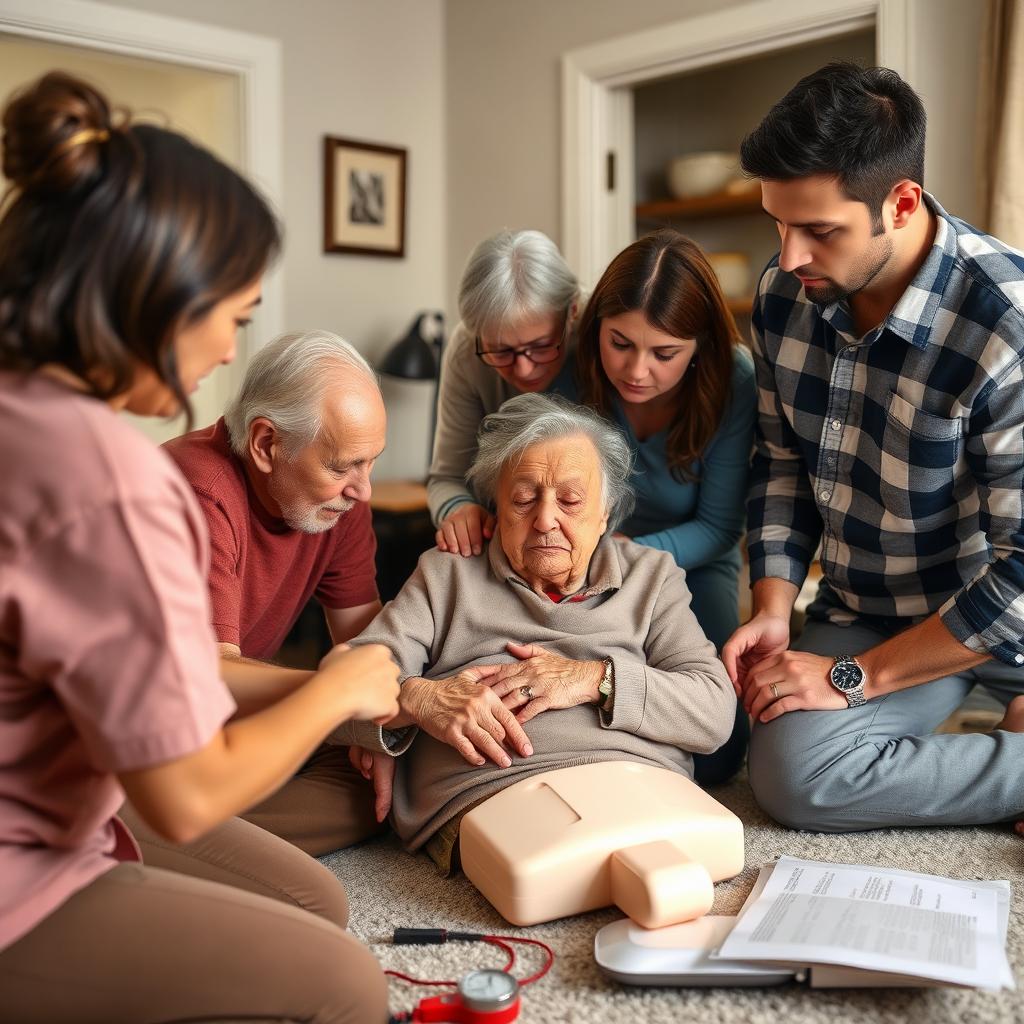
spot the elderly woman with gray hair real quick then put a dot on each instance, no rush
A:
(562, 646)
(520, 304)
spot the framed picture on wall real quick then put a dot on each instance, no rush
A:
(364, 198)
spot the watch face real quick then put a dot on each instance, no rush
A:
(488, 990)
(846, 675)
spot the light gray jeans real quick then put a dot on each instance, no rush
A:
(881, 764)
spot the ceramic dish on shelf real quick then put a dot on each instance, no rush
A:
(701, 174)
(733, 271)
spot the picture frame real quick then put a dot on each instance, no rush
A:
(364, 197)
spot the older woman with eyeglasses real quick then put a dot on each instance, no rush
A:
(519, 305)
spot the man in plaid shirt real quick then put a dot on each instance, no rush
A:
(888, 341)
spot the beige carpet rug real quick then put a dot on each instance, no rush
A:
(389, 888)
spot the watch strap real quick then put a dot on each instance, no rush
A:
(855, 695)
(607, 684)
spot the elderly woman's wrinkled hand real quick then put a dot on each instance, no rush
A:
(542, 681)
(464, 712)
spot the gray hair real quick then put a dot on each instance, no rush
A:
(514, 276)
(286, 382)
(527, 419)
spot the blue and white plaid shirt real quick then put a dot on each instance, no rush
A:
(901, 451)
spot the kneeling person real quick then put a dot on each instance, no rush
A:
(284, 482)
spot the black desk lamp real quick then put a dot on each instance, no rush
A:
(417, 356)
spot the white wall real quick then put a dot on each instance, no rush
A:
(945, 70)
(362, 70)
(504, 103)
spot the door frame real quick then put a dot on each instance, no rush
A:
(254, 60)
(597, 101)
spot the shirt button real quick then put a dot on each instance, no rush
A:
(1019, 658)
(825, 495)
(831, 460)
(836, 424)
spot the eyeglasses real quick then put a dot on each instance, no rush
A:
(542, 352)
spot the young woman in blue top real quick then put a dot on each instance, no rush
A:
(659, 354)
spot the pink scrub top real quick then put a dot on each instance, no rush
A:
(107, 657)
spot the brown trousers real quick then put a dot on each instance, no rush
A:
(326, 806)
(239, 926)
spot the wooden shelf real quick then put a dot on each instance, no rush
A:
(398, 496)
(720, 204)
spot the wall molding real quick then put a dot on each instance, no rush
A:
(597, 105)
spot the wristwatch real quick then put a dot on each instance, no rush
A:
(849, 679)
(604, 688)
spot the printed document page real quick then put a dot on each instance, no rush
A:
(878, 919)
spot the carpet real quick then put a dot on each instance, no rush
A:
(389, 888)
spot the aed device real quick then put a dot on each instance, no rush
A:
(575, 839)
(681, 955)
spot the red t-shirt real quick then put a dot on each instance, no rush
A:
(262, 572)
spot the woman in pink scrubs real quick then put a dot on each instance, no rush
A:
(129, 258)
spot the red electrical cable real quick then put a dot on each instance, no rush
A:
(529, 942)
(493, 940)
(501, 942)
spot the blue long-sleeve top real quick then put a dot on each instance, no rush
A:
(701, 521)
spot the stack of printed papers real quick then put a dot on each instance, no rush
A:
(857, 926)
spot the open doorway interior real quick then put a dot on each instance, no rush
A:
(206, 105)
(710, 111)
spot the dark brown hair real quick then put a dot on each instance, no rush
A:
(666, 277)
(115, 237)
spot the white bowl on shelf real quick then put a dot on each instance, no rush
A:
(701, 174)
(733, 272)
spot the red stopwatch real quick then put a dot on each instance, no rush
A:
(483, 997)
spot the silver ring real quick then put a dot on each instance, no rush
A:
(527, 692)
(774, 689)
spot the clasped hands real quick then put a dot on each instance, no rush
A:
(481, 710)
(769, 679)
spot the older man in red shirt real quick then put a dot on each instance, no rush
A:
(283, 480)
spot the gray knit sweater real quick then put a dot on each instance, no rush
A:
(672, 695)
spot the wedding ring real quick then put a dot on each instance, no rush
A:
(527, 692)
(774, 689)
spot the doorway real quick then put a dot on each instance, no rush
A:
(599, 173)
(681, 119)
(201, 104)
(211, 84)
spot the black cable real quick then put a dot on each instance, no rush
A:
(432, 936)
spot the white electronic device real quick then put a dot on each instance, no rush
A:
(680, 955)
